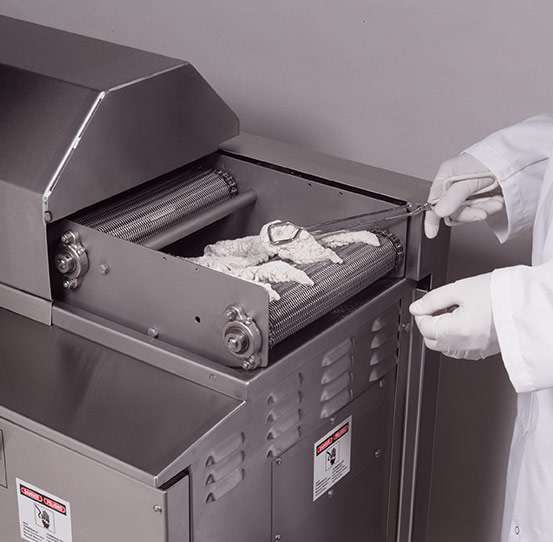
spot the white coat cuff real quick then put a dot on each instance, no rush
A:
(514, 218)
(503, 311)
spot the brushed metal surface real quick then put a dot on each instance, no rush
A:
(130, 411)
(104, 504)
(81, 120)
(79, 60)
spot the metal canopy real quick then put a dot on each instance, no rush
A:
(82, 120)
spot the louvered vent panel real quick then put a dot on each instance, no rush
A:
(224, 467)
(384, 343)
(337, 378)
(284, 416)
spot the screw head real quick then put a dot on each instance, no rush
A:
(330, 493)
(158, 509)
(278, 461)
(153, 332)
(377, 453)
(103, 268)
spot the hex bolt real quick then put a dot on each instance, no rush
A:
(70, 284)
(68, 237)
(231, 313)
(247, 364)
(153, 332)
(158, 509)
(103, 268)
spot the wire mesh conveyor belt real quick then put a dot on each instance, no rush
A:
(156, 207)
(362, 265)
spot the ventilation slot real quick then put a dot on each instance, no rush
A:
(225, 467)
(384, 342)
(337, 378)
(284, 416)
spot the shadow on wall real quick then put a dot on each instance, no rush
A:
(476, 409)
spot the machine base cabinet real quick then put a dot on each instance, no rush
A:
(82, 500)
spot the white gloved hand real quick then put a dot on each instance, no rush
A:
(464, 190)
(467, 329)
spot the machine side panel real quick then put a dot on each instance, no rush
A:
(353, 508)
(101, 503)
(24, 260)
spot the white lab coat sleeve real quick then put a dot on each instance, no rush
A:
(522, 307)
(518, 157)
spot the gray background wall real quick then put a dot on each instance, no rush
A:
(398, 84)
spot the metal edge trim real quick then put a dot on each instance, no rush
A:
(74, 143)
(172, 359)
(24, 304)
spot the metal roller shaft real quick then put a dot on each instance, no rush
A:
(155, 208)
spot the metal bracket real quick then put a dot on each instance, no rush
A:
(242, 337)
(71, 259)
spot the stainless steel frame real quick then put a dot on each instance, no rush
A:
(117, 396)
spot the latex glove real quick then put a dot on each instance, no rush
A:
(467, 329)
(464, 190)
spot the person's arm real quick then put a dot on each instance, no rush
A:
(517, 156)
(522, 306)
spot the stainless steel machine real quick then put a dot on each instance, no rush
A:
(145, 398)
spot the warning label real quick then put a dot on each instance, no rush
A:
(332, 458)
(42, 516)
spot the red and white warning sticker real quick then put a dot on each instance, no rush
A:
(332, 458)
(43, 517)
